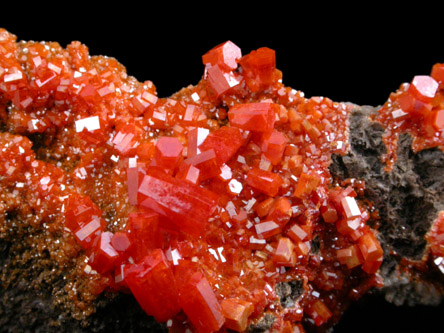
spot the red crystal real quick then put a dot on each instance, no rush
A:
(104, 256)
(152, 283)
(370, 248)
(285, 254)
(79, 211)
(319, 312)
(267, 229)
(205, 162)
(198, 301)
(135, 173)
(350, 256)
(423, 87)
(350, 227)
(298, 233)
(142, 102)
(196, 137)
(168, 152)
(258, 117)
(83, 218)
(224, 55)
(188, 206)
(225, 142)
(220, 81)
(306, 184)
(437, 119)
(121, 242)
(438, 73)
(87, 234)
(126, 140)
(281, 211)
(329, 214)
(371, 267)
(273, 145)
(259, 68)
(189, 173)
(350, 207)
(143, 233)
(236, 313)
(264, 181)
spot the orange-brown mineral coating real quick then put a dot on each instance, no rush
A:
(73, 124)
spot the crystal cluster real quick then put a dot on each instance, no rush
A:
(200, 204)
(416, 108)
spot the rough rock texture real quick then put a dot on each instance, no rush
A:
(407, 199)
(289, 292)
(27, 304)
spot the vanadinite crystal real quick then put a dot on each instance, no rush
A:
(202, 203)
(417, 108)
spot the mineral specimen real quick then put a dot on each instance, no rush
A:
(229, 205)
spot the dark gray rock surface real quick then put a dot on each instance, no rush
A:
(408, 200)
(27, 304)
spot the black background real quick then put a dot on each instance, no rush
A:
(346, 54)
(358, 56)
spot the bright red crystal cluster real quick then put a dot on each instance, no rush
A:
(200, 204)
(416, 108)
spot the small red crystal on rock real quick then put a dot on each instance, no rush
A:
(298, 233)
(126, 140)
(329, 214)
(437, 119)
(121, 242)
(350, 207)
(370, 248)
(281, 211)
(189, 173)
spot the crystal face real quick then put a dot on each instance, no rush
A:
(203, 203)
